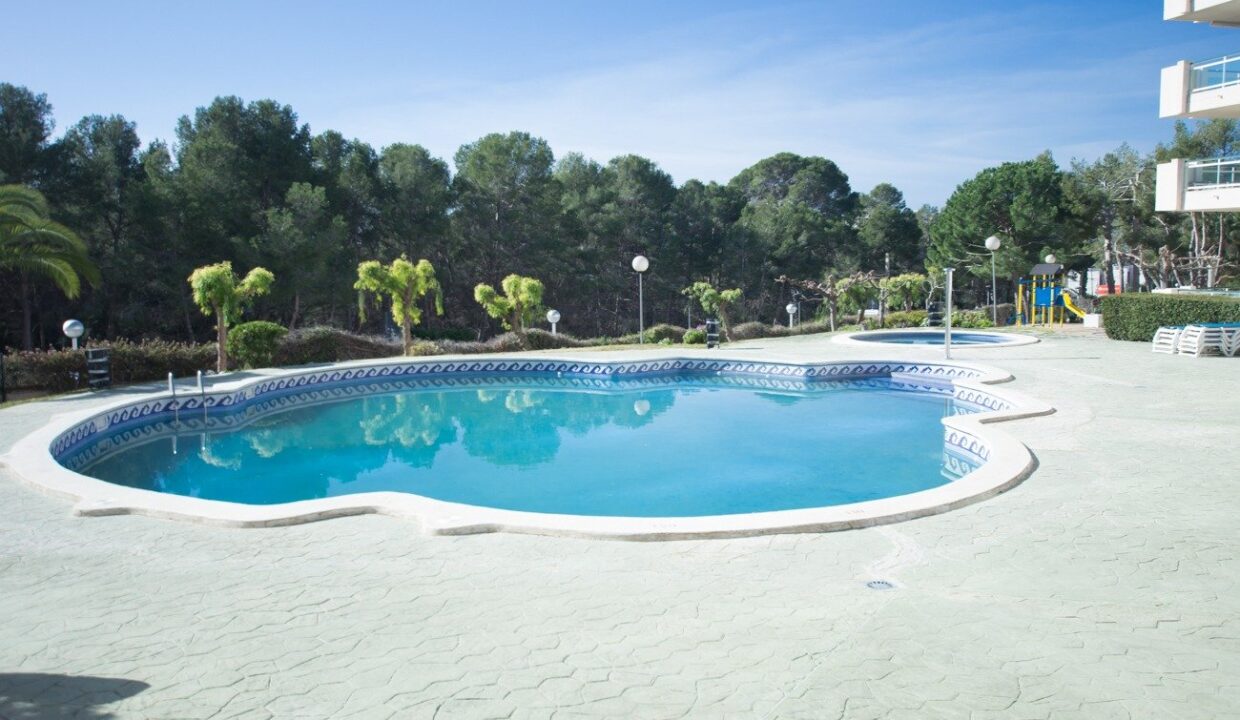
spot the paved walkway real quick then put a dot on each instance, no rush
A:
(1105, 586)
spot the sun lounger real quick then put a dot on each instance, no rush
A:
(1208, 338)
(1167, 338)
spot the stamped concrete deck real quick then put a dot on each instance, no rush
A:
(1105, 586)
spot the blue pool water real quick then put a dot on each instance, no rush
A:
(932, 337)
(661, 447)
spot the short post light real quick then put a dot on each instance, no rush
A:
(73, 329)
(553, 317)
(640, 265)
(792, 312)
(993, 243)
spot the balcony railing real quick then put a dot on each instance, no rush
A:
(1212, 173)
(1215, 73)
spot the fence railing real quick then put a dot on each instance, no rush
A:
(1212, 173)
(1215, 73)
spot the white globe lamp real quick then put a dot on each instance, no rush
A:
(640, 265)
(73, 329)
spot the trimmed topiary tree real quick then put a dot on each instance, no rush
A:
(404, 283)
(217, 291)
(714, 302)
(517, 307)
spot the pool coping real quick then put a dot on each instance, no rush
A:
(1008, 461)
(1013, 339)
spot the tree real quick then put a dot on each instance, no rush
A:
(218, 292)
(798, 220)
(517, 307)
(905, 290)
(404, 284)
(31, 245)
(1021, 201)
(1205, 248)
(714, 302)
(299, 240)
(96, 181)
(889, 231)
(25, 125)
(507, 212)
(856, 292)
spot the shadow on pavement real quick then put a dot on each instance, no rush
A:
(41, 696)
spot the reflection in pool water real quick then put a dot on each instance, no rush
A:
(679, 447)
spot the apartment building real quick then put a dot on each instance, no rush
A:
(1205, 89)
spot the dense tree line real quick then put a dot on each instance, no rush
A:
(251, 184)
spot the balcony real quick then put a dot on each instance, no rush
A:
(1209, 89)
(1198, 186)
(1215, 12)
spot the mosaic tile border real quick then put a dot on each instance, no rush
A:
(166, 405)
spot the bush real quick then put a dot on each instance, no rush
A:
(55, 370)
(253, 344)
(695, 337)
(905, 319)
(968, 319)
(423, 348)
(755, 330)
(663, 331)
(540, 339)
(1137, 317)
(325, 344)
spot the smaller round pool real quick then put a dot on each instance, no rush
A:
(934, 336)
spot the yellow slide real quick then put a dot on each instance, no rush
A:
(1067, 302)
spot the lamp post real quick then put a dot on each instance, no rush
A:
(553, 317)
(792, 311)
(993, 243)
(73, 329)
(640, 265)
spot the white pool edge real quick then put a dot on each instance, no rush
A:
(1010, 462)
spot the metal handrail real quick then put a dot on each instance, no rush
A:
(1216, 73)
(1214, 172)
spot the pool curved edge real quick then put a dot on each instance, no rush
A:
(1009, 462)
(873, 338)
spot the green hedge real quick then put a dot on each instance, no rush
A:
(1137, 316)
(54, 370)
(325, 344)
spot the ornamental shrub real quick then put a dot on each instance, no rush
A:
(695, 337)
(64, 370)
(1137, 316)
(663, 331)
(905, 319)
(971, 319)
(324, 344)
(253, 344)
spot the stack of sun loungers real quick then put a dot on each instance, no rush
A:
(1199, 339)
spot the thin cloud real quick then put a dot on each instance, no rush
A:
(868, 104)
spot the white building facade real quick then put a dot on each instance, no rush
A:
(1200, 90)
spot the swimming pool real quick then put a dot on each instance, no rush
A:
(935, 336)
(653, 447)
(678, 447)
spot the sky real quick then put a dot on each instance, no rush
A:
(919, 93)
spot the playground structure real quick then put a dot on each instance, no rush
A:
(1043, 298)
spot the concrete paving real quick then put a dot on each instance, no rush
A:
(1105, 586)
